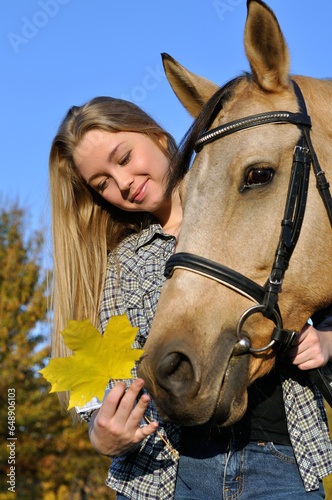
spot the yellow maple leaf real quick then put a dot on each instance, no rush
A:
(97, 359)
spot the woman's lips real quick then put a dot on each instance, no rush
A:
(140, 192)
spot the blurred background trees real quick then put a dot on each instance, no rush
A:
(53, 458)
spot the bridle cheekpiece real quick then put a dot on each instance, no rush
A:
(266, 297)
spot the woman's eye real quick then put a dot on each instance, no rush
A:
(102, 186)
(258, 176)
(125, 159)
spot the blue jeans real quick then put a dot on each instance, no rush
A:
(255, 471)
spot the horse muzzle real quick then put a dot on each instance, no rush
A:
(189, 389)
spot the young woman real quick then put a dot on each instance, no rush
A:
(114, 227)
(86, 227)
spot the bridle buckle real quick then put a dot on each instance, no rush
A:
(275, 282)
(301, 149)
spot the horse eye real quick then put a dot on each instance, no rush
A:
(258, 176)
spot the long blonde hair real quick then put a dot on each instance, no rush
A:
(85, 227)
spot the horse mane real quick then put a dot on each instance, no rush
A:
(182, 159)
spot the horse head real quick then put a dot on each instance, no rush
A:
(234, 197)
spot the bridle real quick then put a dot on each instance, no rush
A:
(266, 297)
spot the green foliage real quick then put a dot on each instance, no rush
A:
(52, 458)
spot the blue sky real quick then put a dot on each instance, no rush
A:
(56, 53)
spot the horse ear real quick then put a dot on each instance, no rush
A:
(266, 48)
(192, 90)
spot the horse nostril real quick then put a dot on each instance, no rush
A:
(177, 375)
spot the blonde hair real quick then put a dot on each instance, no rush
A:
(85, 227)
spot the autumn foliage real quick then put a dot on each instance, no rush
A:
(52, 458)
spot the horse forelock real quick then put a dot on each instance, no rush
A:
(181, 161)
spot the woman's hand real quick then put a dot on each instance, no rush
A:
(313, 349)
(114, 428)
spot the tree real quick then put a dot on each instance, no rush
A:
(44, 456)
(328, 480)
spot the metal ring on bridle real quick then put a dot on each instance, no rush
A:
(249, 312)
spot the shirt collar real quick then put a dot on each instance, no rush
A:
(147, 234)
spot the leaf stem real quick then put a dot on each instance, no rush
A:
(167, 444)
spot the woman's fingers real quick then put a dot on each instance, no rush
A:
(112, 400)
(119, 401)
(116, 426)
(313, 348)
(132, 415)
(128, 400)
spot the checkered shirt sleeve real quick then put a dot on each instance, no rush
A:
(307, 426)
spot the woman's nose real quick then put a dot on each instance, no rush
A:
(124, 181)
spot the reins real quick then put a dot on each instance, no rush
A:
(266, 297)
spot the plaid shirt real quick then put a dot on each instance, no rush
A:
(133, 283)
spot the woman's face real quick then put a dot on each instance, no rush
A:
(126, 168)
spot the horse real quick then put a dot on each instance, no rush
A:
(255, 230)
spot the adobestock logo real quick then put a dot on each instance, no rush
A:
(151, 80)
(31, 27)
(223, 8)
